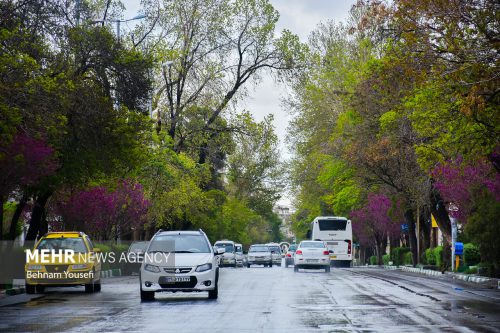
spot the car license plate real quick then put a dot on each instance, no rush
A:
(174, 279)
(311, 260)
(333, 257)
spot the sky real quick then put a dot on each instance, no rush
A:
(300, 17)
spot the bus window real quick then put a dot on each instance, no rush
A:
(332, 224)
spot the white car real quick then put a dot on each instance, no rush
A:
(179, 261)
(240, 257)
(275, 253)
(229, 256)
(311, 254)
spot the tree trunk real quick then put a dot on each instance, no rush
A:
(37, 215)
(439, 212)
(15, 218)
(411, 234)
(1, 217)
(425, 233)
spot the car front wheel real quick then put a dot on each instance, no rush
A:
(97, 286)
(147, 296)
(327, 269)
(30, 289)
(295, 268)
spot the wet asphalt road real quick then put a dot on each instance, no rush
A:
(269, 300)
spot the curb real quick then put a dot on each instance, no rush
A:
(421, 271)
(111, 272)
(470, 278)
(463, 277)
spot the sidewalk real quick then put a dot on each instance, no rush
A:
(484, 281)
(7, 300)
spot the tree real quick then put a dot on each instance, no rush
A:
(374, 224)
(210, 50)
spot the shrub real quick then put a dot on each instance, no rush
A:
(471, 270)
(429, 257)
(408, 258)
(438, 255)
(471, 254)
(386, 258)
(373, 260)
(398, 254)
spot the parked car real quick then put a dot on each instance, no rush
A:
(179, 261)
(59, 270)
(229, 256)
(290, 254)
(312, 254)
(135, 256)
(275, 253)
(240, 257)
(259, 254)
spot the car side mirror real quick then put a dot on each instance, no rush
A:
(96, 249)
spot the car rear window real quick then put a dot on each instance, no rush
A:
(259, 249)
(312, 245)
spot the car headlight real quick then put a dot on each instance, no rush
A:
(79, 266)
(152, 268)
(35, 267)
(204, 267)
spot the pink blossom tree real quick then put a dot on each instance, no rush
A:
(372, 223)
(106, 214)
(460, 183)
(23, 164)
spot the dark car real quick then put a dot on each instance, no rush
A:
(289, 255)
(135, 255)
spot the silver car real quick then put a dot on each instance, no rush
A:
(259, 254)
(240, 257)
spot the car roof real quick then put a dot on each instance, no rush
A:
(180, 232)
(64, 234)
(225, 241)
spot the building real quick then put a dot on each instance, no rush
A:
(285, 214)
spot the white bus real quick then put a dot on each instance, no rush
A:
(336, 232)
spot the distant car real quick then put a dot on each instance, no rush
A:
(240, 257)
(259, 254)
(275, 253)
(290, 254)
(229, 256)
(179, 261)
(62, 271)
(312, 254)
(135, 255)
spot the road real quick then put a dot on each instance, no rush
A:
(269, 300)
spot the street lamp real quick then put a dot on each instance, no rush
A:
(118, 26)
(118, 22)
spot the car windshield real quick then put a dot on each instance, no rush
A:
(180, 244)
(292, 248)
(259, 249)
(312, 245)
(276, 249)
(138, 247)
(228, 246)
(75, 244)
(239, 249)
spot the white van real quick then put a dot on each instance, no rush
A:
(229, 256)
